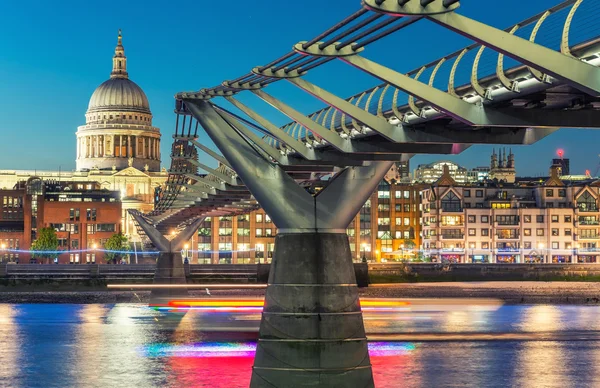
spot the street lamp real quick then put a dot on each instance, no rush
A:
(185, 253)
(541, 248)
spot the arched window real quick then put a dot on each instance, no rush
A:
(586, 202)
(451, 203)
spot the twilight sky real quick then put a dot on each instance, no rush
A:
(54, 54)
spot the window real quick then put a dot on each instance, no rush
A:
(105, 227)
(567, 218)
(268, 232)
(451, 203)
(527, 245)
(485, 219)
(467, 193)
(485, 245)
(562, 193)
(91, 228)
(539, 219)
(451, 220)
(383, 194)
(406, 194)
(554, 218)
(73, 214)
(539, 232)
(507, 233)
(554, 231)
(567, 232)
(406, 207)
(550, 205)
(243, 231)
(225, 232)
(472, 219)
(485, 232)
(549, 193)
(526, 232)
(382, 207)
(267, 218)
(259, 232)
(259, 217)
(472, 232)
(479, 193)
(554, 245)
(586, 203)
(527, 219)
(91, 214)
(351, 232)
(406, 221)
(383, 221)
(507, 220)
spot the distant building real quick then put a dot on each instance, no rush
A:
(563, 165)
(83, 215)
(399, 172)
(429, 173)
(502, 167)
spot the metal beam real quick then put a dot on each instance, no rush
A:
(224, 177)
(331, 137)
(254, 138)
(575, 72)
(296, 145)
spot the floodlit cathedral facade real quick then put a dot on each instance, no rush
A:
(117, 148)
(118, 132)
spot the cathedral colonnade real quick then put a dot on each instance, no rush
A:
(118, 146)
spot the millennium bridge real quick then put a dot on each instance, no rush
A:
(510, 86)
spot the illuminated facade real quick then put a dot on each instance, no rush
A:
(506, 223)
(83, 215)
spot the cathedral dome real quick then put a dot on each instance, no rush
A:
(119, 94)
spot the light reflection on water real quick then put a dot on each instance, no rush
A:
(131, 345)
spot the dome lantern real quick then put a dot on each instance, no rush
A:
(119, 60)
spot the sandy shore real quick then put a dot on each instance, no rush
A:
(509, 292)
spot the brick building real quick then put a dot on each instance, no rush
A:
(83, 215)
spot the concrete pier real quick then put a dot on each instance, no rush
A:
(312, 332)
(169, 270)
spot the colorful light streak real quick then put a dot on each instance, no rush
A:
(248, 349)
(256, 305)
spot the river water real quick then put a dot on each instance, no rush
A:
(130, 345)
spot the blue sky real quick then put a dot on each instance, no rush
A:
(54, 54)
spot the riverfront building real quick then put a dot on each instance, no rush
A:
(554, 221)
(83, 215)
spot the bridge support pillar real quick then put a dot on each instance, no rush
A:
(311, 332)
(169, 265)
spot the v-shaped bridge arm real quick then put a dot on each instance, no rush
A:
(290, 206)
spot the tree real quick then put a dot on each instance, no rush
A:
(117, 247)
(46, 244)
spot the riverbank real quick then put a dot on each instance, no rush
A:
(581, 293)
